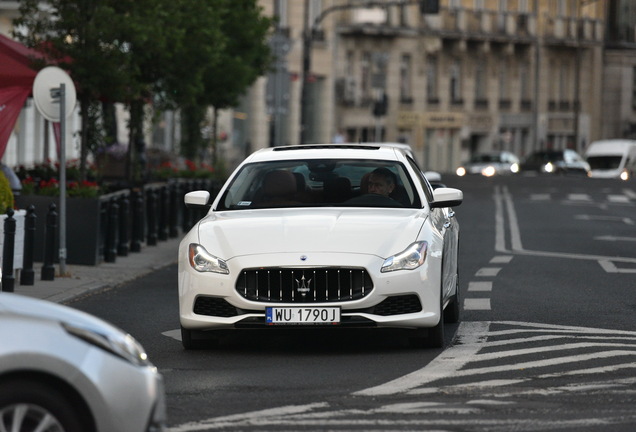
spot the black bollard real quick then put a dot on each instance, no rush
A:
(174, 207)
(27, 275)
(124, 218)
(137, 221)
(110, 254)
(48, 269)
(164, 202)
(8, 279)
(186, 220)
(151, 239)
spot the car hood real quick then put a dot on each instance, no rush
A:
(380, 232)
(17, 304)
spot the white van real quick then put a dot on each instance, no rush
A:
(614, 158)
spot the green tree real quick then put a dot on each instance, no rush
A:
(245, 56)
(180, 54)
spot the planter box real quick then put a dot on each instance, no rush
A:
(18, 254)
(84, 240)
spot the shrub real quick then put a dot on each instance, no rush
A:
(6, 194)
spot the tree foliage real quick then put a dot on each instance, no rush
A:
(180, 54)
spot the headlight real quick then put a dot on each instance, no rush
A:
(409, 259)
(202, 261)
(549, 167)
(514, 168)
(461, 171)
(624, 175)
(489, 171)
(120, 344)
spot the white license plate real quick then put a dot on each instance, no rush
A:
(302, 315)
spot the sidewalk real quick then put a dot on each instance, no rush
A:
(83, 279)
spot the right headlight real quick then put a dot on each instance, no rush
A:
(409, 259)
(120, 344)
(461, 171)
(203, 261)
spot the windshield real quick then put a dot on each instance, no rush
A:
(319, 183)
(604, 162)
(485, 158)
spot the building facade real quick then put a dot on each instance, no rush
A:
(448, 77)
(461, 77)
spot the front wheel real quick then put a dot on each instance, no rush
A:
(27, 406)
(452, 311)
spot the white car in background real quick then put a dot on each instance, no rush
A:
(490, 164)
(295, 238)
(62, 370)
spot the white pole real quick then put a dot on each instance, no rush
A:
(62, 180)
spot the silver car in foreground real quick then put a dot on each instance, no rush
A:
(62, 370)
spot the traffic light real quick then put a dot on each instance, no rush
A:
(381, 106)
(429, 6)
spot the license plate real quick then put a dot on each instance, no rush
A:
(302, 315)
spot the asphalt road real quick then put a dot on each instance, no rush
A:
(547, 339)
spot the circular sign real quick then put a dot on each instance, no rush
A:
(46, 91)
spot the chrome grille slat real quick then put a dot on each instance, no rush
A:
(304, 285)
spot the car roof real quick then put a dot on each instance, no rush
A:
(326, 151)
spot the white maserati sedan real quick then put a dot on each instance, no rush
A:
(322, 235)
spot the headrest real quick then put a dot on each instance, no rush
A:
(279, 182)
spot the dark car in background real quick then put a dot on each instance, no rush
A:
(555, 162)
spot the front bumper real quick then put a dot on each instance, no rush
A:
(403, 299)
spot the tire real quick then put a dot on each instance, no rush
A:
(436, 334)
(452, 311)
(26, 406)
(190, 341)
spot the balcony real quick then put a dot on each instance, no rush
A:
(482, 25)
(571, 31)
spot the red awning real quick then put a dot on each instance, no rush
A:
(16, 83)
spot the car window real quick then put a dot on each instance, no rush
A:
(320, 183)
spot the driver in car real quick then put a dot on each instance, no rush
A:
(381, 181)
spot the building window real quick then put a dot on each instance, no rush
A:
(481, 85)
(315, 9)
(280, 11)
(431, 79)
(406, 95)
(454, 4)
(634, 88)
(523, 6)
(479, 5)
(456, 82)
(365, 76)
(525, 87)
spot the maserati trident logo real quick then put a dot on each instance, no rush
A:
(303, 286)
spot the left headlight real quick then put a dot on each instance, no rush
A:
(120, 344)
(203, 261)
(409, 259)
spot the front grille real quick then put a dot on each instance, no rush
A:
(398, 305)
(213, 306)
(312, 285)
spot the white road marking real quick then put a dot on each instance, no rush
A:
(479, 286)
(488, 271)
(470, 338)
(614, 238)
(477, 304)
(540, 197)
(610, 267)
(579, 197)
(630, 193)
(625, 220)
(618, 199)
(501, 259)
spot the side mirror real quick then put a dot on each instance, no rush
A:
(447, 197)
(197, 199)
